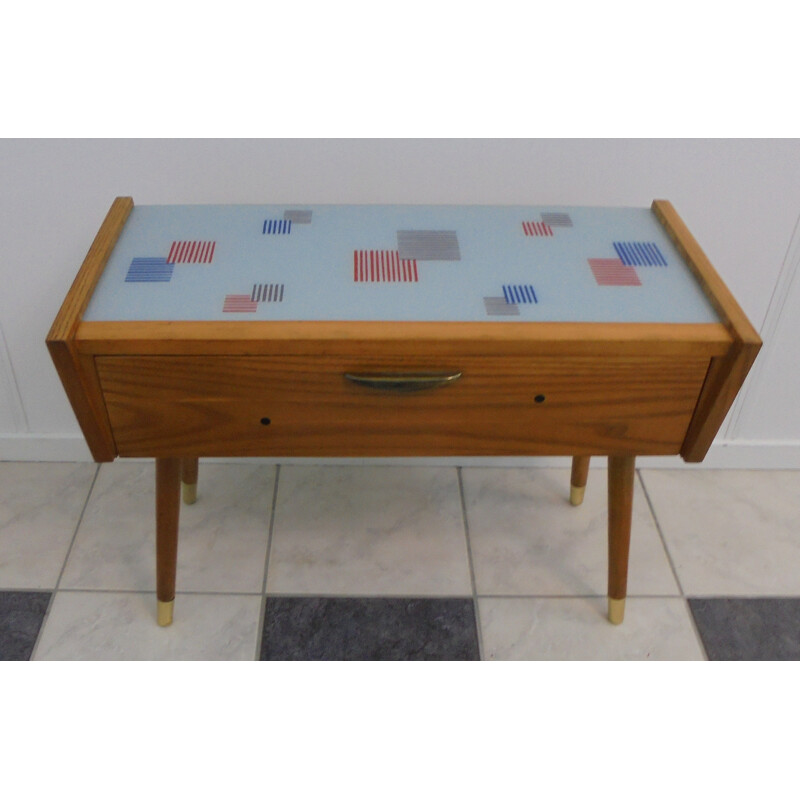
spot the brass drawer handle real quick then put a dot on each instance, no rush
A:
(403, 381)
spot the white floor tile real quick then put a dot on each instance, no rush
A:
(368, 530)
(576, 629)
(222, 541)
(108, 626)
(40, 505)
(391, 530)
(730, 532)
(222, 545)
(526, 538)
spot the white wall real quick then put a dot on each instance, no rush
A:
(741, 199)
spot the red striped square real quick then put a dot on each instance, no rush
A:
(191, 252)
(383, 266)
(612, 272)
(537, 229)
(239, 303)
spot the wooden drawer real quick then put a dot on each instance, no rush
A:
(304, 406)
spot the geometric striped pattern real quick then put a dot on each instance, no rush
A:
(537, 229)
(147, 270)
(267, 293)
(239, 303)
(499, 306)
(428, 246)
(519, 294)
(612, 272)
(557, 219)
(383, 266)
(191, 252)
(640, 254)
(300, 216)
(277, 226)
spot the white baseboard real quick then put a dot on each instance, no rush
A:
(739, 454)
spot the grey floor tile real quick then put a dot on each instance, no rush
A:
(21, 616)
(369, 629)
(749, 629)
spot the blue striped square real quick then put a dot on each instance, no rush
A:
(147, 270)
(520, 294)
(640, 254)
(277, 226)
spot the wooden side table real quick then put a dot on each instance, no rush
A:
(398, 331)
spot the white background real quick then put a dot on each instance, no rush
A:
(435, 68)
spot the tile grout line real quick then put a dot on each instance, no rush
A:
(263, 614)
(471, 565)
(671, 563)
(64, 563)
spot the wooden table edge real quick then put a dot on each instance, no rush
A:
(726, 373)
(74, 369)
(411, 338)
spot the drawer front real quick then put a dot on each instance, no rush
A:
(305, 406)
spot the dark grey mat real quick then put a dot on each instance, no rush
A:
(21, 616)
(749, 629)
(369, 629)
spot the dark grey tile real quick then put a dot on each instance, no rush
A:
(749, 629)
(21, 616)
(369, 629)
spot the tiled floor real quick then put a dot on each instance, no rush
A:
(380, 562)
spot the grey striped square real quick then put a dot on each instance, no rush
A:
(298, 216)
(267, 293)
(497, 306)
(428, 245)
(556, 219)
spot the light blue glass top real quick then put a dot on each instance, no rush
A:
(393, 263)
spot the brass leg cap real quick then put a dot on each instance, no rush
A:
(576, 494)
(165, 612)
(616, 610)
(189, 493)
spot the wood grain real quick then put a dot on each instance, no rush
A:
(727, 372)
(217, 406)
(590, 409)
(621, 475)
(723, 382)
(580, 471)
(401, 338)
(168, 507)
(75, 370)
(69, 315)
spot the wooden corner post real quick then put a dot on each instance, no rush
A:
(726, 373)
(76, 370)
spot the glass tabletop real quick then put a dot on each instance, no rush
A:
(397, 263)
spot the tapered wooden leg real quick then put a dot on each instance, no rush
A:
(189, 468)
(621, 470)
(168, 504)
(577, 483)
